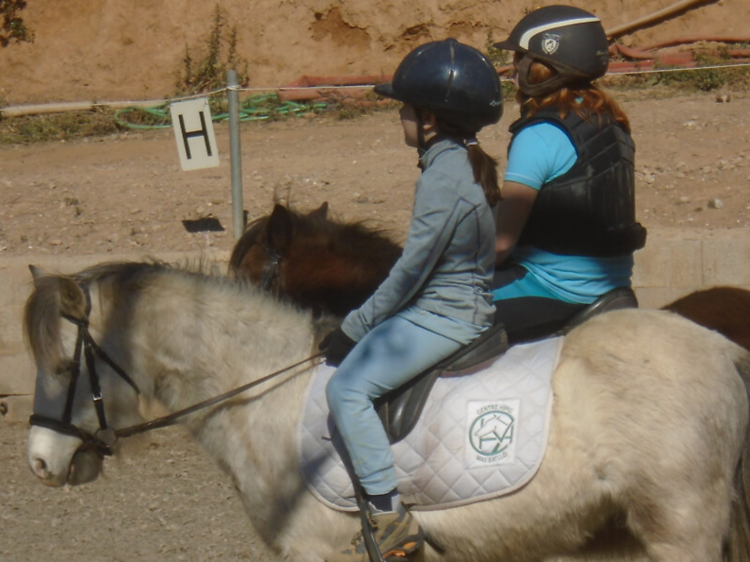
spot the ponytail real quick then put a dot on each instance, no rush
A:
(484, 167)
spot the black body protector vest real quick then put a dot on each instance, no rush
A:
(590, 209)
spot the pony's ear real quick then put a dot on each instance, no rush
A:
(72, 300)
(321, 212)
(36, 273)
(279, 228)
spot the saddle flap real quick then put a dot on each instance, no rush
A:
(400, 409)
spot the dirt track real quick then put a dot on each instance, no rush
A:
(127, 193)
(167, 503)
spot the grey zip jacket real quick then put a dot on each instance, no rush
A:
(442, 280)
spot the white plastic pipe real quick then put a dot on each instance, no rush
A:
(38, 109)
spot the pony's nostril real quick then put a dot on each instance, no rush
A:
(40, 468)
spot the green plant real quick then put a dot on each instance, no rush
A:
(509, 90)
(498, 57)
(57, 127)
(704, 77)
(348, 111)
(713, 70)
(12, 27)
(144, 117)
(217, 55)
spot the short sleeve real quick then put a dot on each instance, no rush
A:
(538, 154)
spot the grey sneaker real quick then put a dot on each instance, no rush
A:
(397, 534)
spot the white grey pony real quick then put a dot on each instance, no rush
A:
(647, 454)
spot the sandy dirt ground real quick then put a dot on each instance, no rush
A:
(166, 501)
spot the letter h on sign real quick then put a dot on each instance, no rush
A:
(194, 133)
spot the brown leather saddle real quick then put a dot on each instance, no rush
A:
(400, 409)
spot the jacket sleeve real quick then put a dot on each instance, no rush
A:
(437, 208)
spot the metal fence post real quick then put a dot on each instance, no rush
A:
(235, 154)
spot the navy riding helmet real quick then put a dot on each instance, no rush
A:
(454, 81)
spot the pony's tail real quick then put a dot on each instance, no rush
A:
(738, 543)
(484, 167)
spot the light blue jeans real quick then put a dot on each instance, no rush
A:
(389, 355)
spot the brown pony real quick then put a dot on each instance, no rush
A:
(333, 267)
(724, 309)
(329, 266)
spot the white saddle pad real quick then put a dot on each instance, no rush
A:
(481, 435)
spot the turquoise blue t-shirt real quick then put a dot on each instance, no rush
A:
(538, 154)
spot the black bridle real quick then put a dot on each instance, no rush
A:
(105, 437)
(270, 280)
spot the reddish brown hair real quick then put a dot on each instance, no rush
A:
(581, 98)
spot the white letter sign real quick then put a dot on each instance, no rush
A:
(194, 132)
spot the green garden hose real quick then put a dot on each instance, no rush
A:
(254, 108)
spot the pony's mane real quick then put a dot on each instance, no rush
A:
(42, 310)
(357, 236)
(129, 271)
(249, 238)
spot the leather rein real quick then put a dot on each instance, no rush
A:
(105, 437)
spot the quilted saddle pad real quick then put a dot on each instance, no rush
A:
(482, 434)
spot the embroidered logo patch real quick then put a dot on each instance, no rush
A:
(550, 43)
(491, 434)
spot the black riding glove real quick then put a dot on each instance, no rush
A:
(336, 346)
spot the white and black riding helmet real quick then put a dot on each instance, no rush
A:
(454, 81)
(570, 40)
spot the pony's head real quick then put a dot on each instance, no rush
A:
(258, 253)
(319, 263)
(81, 391)
(106, 337)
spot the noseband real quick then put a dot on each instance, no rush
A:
(104, 438)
